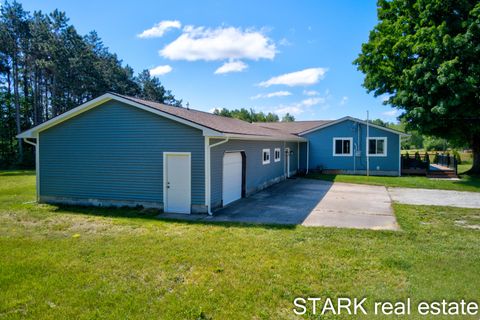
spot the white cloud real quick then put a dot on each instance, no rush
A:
(293, 110)
(300, 107)
(311, 93)
(284, 42)
(299, 78)
(312, 101)
(200, 43)
(160, 28)
(160, 70)
(344, 100)
(272, 94)
(391, 113)
(231, 66)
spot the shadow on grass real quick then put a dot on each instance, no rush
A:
(468, 180)
(156, 215)
(9, 173)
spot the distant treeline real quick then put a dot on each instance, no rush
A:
(252, 116)
(47, 68)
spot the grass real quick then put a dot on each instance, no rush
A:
(83, 263)
(466, 182)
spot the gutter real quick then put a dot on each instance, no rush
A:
(308, 155)
(30, 142)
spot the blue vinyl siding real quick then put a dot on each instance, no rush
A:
(258, 175)
(321, 148)
(115, 152)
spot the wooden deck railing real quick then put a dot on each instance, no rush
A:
(419, 163)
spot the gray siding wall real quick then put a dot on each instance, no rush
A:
(258, 175)
(114, 153)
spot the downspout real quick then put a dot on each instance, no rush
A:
(207, 174)
(354, 158)
(30, 142)
(298, 157)
(367, 146)
(308, 155)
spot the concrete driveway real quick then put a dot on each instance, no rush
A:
(429, 197)
(314, 203)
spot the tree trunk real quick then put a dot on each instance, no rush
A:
(35, 97)
(17, 104)
(476, 156)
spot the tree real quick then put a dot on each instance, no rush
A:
(425, 56)
(246, 115)
(47, 68)
(152, 89)
(288, 118)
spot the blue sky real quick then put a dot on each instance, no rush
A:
(268, 55)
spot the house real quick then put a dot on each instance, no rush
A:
(122, 151)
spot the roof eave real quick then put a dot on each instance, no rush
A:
(32, 133)
(356, 120)
(263, 138)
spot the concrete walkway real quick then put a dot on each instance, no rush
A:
(429, 197)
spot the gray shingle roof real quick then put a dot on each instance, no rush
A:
(295, 127)
(215, 122)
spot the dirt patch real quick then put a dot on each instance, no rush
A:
(465, 224)
(71, 224)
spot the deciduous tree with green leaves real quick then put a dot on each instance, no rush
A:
(288, 118)
(425, 55)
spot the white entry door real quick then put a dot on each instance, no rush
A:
(232, 177)
(177, 182)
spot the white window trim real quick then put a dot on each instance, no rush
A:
(275, 154)
(343, 154)
(384, 154)
(269, 156)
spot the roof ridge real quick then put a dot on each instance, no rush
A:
(188, 109)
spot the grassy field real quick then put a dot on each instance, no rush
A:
(466, 182)
(83, 263)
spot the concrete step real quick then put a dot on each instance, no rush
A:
(442, 174)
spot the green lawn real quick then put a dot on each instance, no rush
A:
(466, 183)
(64, 263)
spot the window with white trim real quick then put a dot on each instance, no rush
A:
(342, 147)
(377, 146)
(277, 154)
(266, 156)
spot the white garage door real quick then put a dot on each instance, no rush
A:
(232, 177)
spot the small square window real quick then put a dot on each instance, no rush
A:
(277, 154)
(266, 156)
(377, 146)
(342, 146)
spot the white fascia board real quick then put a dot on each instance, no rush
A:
(355, 120)
(31, 133)
(102, 99)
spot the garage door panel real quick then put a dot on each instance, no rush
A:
(232, 177)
